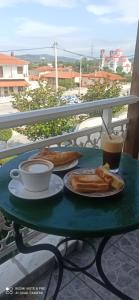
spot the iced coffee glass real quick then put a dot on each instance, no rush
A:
(112, 149)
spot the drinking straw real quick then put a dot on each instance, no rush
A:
(106, 127)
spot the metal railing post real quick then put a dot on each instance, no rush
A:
(107, 116)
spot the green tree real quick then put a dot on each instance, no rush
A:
(103, 90)
(68, 83)
(5, 135)
(43, 97)
(107, 69)
(119, 70)
(128, 77)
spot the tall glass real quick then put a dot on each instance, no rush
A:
(112, 149)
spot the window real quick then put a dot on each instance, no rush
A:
(5, 91)
(11, 89)
(1, 71)
(20, 89)
(20, 70)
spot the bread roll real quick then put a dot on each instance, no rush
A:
(58, 158)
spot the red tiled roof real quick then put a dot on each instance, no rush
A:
(103, 74)
(51, 69)
(11, 60)
(44, 68)
(13, 83)
(62, 75)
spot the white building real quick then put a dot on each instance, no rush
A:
(13, 75)
(115, 59)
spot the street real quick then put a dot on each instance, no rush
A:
(17, 138)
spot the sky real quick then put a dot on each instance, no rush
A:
(82, 26)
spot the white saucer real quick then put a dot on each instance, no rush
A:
(17, 189)
(65, 167)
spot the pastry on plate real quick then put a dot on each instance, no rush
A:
(58, 158)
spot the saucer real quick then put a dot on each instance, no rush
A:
(61, 168)
(17, 189)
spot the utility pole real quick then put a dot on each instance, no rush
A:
(92, 50)
(80, 82)
(56, 70)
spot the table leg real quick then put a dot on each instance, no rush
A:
(29, 249)
(105, 281)
(65, 263)
(108, 284)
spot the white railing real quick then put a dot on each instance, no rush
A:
(88, 137)
(44, 115)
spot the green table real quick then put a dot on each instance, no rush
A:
(74, 216)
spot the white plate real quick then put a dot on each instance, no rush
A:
(65, 167)
(68, 185)
(17, 189)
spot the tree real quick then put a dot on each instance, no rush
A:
(43, 97)
(119, 70)
(5, 135)
(128, 77)
(104, 90)
(67, 83)
(107, 69)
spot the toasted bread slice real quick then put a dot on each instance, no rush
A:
(88, 190)
(87, 178)
(88, 183)
(58, 158)
(113, 180)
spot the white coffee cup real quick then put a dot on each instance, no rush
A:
(35, 174)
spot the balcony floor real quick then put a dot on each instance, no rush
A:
(121, 265)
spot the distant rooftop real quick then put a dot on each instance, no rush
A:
(61, 75)
(11, 60)
(13, 83)
(103, 74)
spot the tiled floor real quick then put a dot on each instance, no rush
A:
(120, 263)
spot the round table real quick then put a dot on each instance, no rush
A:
(76, 216)
(70, 215)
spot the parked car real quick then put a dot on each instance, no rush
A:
(71, 99)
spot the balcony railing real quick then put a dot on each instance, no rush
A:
(87, 138)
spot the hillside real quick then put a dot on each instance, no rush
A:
(37, 58)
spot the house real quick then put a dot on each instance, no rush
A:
(62, 75)
(39, 71)
(13, 75)
(115, 59)
(91, 78)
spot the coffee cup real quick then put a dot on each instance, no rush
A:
(34, 174)
(112, 148)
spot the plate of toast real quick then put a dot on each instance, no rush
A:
(95, 183)
(62, 161)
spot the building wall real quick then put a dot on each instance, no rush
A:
(10, 72)
(115, 59)
(8, 91)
